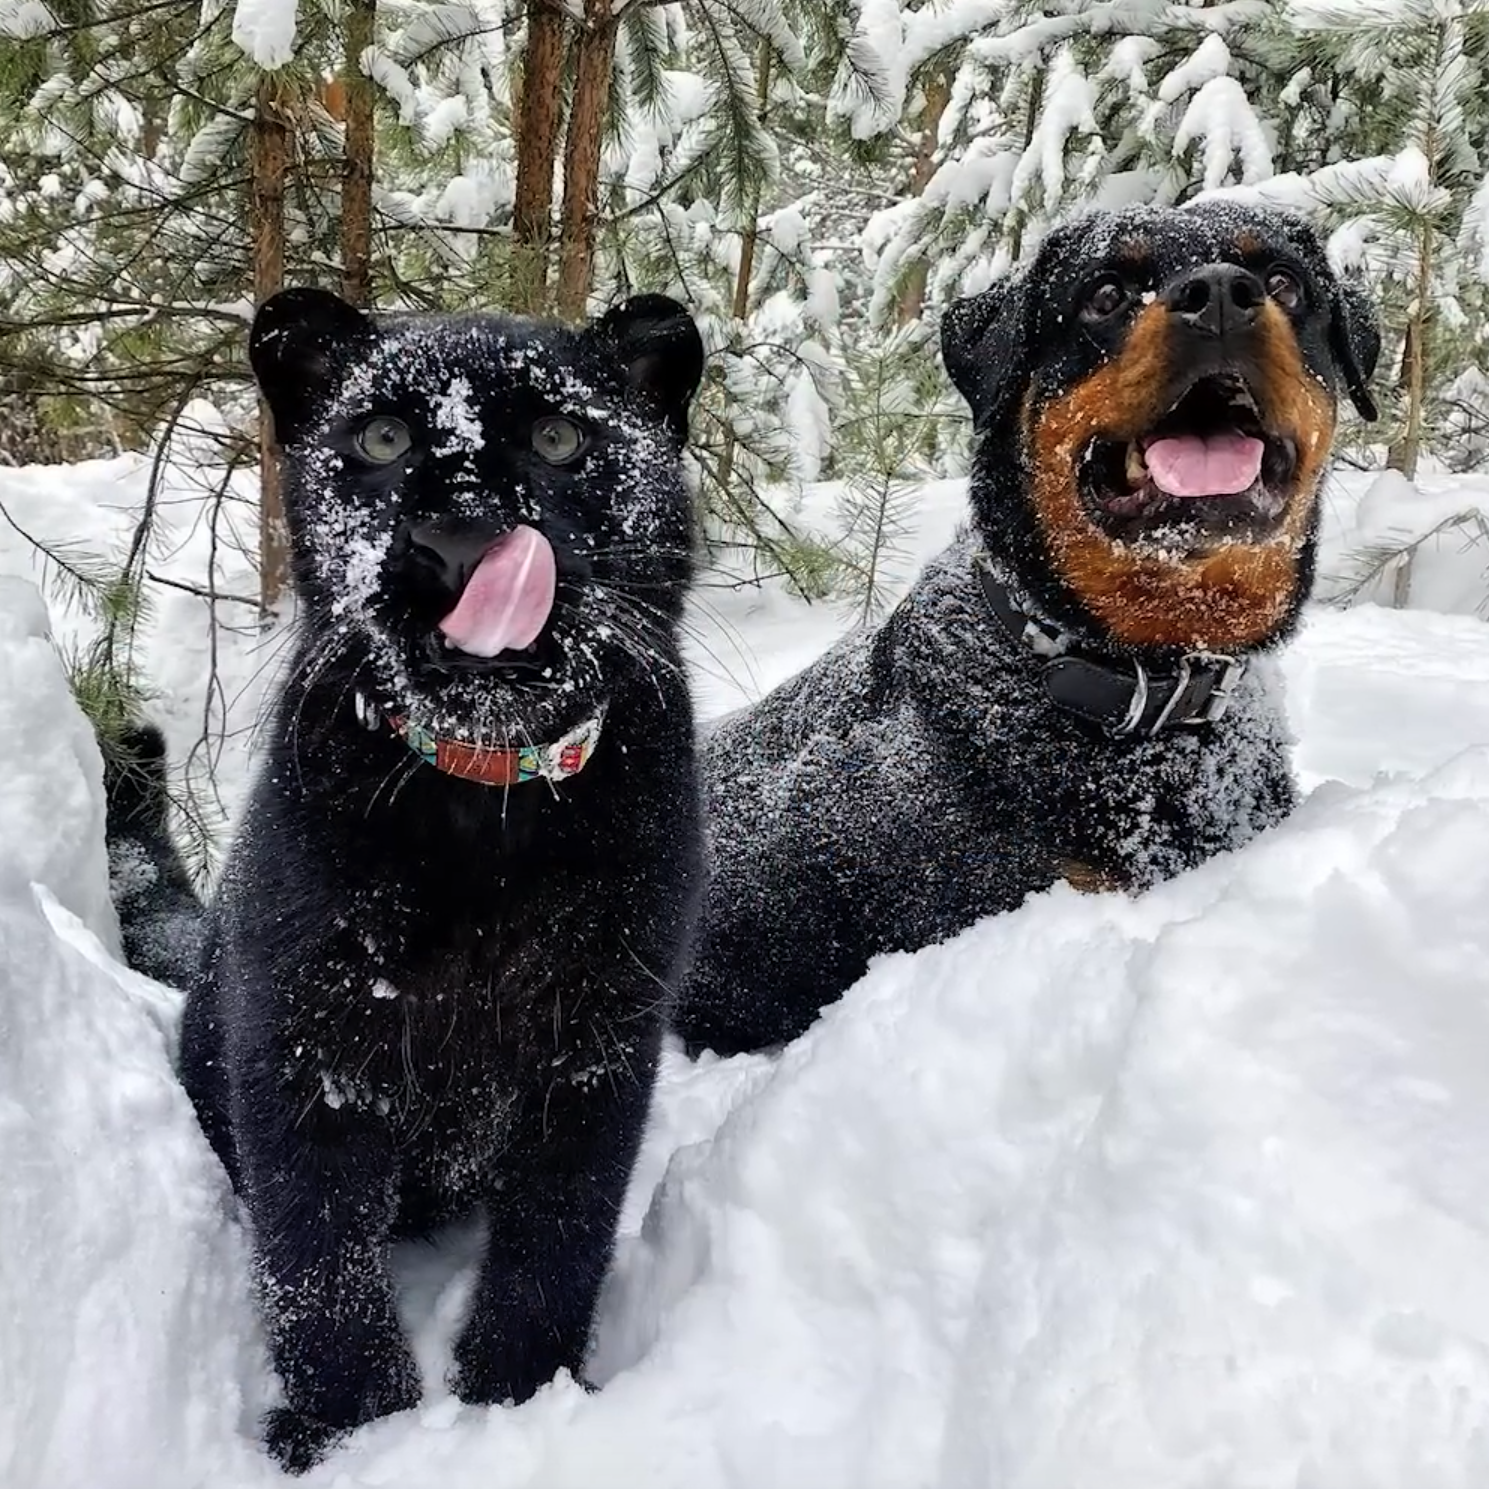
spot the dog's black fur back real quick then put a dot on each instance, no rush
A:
(918, 778)
(419, 994)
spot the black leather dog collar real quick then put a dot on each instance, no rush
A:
(1128, 699)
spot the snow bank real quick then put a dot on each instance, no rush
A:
(1192, 1189)
(1257, 1253)
(124, 1319)
(1185, 1190)
(125, 1324)
(51, 783)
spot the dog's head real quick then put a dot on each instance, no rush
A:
(1155, 398)
(487, 514)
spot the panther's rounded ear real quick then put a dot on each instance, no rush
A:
(299, 346)
(982, 345)
(661, 351)
(1354, 339)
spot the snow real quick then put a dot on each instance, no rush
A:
(117, 1252)
(265, 29)
(440, 124)
(810, 421)
(1475, 229)
(23, 19)
(1221, 117)
(1211, 60)
(454, 411)
(52, 769)
(1067, 111)
(1185, 1189)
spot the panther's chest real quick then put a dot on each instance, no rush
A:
(440, 1042)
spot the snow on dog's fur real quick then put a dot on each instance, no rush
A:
(1154, 398)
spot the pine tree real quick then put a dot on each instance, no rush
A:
(1410, 207)
(814, 179)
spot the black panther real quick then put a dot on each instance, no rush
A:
(435, 974)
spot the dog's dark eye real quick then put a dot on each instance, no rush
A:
(382, 441)
(1284, 288)
(1104, 298)
(558, 440)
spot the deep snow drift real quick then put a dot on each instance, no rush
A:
(1187, 1190)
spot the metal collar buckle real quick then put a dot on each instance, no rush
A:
(1217, 701)
(1232, 669)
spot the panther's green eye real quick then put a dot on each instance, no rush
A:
(383, 441)
(558, 440)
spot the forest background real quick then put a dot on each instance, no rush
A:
(814, 178)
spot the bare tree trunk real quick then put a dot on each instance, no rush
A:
(1406, 450)
(576, 248)
(937, 96)
(751, 237)
(748, 242)
(270, 147)
(537, 150)
(356, 166)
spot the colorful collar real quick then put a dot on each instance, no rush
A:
(566, 757)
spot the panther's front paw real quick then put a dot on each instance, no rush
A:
(477, 1384)
(488, 1375)
(300, 1439)
(297, 1440)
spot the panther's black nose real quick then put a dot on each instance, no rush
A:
(1216, 299)
(449, 552)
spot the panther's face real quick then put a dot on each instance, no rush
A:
(487, 514)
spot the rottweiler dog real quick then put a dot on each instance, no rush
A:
(1082, 686)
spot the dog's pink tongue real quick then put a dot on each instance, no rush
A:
(1193, 465)
(507, 601)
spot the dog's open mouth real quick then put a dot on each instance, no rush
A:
(1208, 470)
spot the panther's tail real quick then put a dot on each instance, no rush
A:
(160, 915)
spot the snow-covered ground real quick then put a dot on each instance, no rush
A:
(1188, 1190)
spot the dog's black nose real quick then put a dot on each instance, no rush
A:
(449, 552)
(1216, 299)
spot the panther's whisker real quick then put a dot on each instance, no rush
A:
(414, 765)
(723, 673)
(403, 771)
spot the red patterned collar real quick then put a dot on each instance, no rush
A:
(566, 757)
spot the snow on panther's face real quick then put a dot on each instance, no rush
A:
(489, 510)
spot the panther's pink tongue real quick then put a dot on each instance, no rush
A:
(1193, 465)
(507, 601)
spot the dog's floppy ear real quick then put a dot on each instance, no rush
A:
(1354, 328)
(1354, 339)
(661, 351)
(301, 342)
(982, 345)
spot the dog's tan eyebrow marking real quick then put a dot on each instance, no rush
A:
(1134, 251)
(1249, 244)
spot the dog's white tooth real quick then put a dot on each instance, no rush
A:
(1137, 467)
